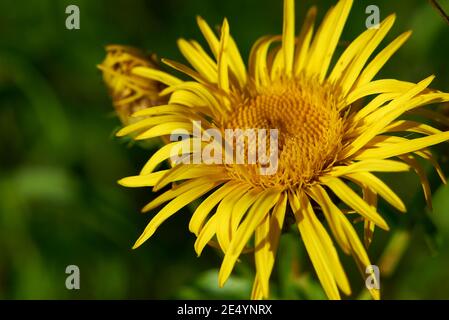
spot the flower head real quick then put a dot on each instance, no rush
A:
(335, 125)
(129, 92)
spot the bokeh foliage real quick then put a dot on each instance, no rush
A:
(59, 161)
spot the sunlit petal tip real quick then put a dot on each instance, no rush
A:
(223, 276)
(225, 24)
(402, 208)
(138, 113)
(122, 132)
(145, 209)
(181, 41)
(391, 18)
(138, 243)
(123, 182)
(407, 34)
(157, 187)
(157, 75)
(288, 35)
(131, 182)
(429, 79)
(199, 19)
(143, 136)
(384, 225)
(196, 248)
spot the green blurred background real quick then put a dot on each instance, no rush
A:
(59, 200)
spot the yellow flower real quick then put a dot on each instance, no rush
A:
(336, 125)
(129, 92)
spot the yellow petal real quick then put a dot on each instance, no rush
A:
(266, 200)
(374, 104)
(328, 247)
(197, 61)
(372, 165)
(206, 234)
(418, 101)
(288, 35)
(256, 293)
(261, 255)
(401, 148)
(204, 93)
(393, 110)
(176, 191)
(305, 36)
(224, 212)
(382, 57)
(166, 152)
(189, 171)
(331, 213)
(368, 232)
(223, 78)
(356, 248)
(368, 226)
(164, 129)
(422, 177)
(206, 206)
(240, 208)
(235, 60)
(349, 55)
(378, 86)
(427, 155)
(171, 208)
(379, 187)
(276, 64)
(432, 115)
(184, 69)
(209, 35)
(315, 54)
(411, 126)
(159, 110)
(258, 60)
(148, 180)
(266, 244)
(352, 199)
(357, 65)
(359, 253)
(303, 214)
(148, 123)
(157, 75)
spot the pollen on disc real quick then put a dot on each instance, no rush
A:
(310, 129)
